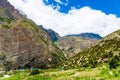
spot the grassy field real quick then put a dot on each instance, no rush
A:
(101, 73)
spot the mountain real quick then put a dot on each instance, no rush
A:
(107, 50)
(52, 34)
(72, 45)
(87, 36)
(8, 12)
(23, 43)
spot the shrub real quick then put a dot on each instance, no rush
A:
(5, 26)
(114, 62)
(34, 72)
(1, 75)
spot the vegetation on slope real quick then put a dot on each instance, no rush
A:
(106, 50)
(7, 20)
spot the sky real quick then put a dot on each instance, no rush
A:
(73, 16)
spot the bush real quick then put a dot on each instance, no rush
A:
(5, 26)
(114, 62)
(34, 72)
(1, 75)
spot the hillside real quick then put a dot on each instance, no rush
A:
(23, 43)
(107, 50)
(72, 45)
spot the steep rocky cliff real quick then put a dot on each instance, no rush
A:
(23, 43)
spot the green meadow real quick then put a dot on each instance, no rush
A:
(99, 73)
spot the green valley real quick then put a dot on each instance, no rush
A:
(99, 73)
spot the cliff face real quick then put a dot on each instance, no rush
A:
(23, 43)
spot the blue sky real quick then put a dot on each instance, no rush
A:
(107, 6)
(73, 16)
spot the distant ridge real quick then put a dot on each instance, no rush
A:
(52, 34)
(87, 35)
(72, 45)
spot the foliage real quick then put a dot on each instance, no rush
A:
(107, 50)
(28, 24)
(7, 20)
(34, 72)
(1, 74)
(5, 26)
(114, 62)
(99, 73)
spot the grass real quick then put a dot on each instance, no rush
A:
(7, 20)
(100, 73)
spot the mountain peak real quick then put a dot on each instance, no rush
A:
(8, 11)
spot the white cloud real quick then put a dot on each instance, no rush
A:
(57, 7)
(76, 21)
(60, 2)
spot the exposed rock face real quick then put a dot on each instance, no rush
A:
(107, 50)
(23, 43)
(53, 35)
(8, 11)
(28, 47)
(72, 45)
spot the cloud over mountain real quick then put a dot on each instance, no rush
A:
(80, 20)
